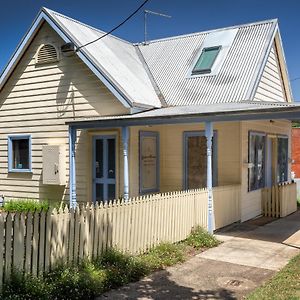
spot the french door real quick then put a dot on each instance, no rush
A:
(104, 168)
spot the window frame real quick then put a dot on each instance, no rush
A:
(10, 139)
(257, 133)
(155, 134)
(208, 70)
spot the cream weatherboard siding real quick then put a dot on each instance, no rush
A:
(251, 201)
(171, 154)
(38, 100)
(271, 87)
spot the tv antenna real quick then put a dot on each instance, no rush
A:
(149, 12)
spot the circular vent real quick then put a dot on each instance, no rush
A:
(46, 54)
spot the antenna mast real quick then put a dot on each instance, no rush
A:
(146, 12)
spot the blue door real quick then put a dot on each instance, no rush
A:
(104, 168)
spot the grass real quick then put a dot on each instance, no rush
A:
(285, 285)
(111, 270)
(18, 205)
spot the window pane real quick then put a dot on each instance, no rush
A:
(99, 158)
(197, 162)
(257, 161)
(111, 191)
(99, 192)
(206, 59)
(111, 158)
(282, 168)
(20, 155)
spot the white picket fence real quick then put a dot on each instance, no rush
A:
(34, 242)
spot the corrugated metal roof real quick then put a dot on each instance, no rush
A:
(208, 109)
(169, 61)
(115, 57)
(156, 74)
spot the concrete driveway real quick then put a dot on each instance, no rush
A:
(252, 252)
(268, 246)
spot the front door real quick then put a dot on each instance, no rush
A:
(104, 168)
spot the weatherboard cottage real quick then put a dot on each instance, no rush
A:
(117, 120)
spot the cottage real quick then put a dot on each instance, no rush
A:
(114, 119)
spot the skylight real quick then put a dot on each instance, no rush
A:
(206, 60)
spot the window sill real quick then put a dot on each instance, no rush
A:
(20, 171)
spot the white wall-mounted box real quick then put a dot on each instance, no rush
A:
(54, 164)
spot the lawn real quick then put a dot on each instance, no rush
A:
(285, 285)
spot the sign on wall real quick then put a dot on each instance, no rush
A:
(149, 162)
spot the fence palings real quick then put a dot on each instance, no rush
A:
(279, 200)
(35, 242)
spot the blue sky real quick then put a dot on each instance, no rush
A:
(187, 16)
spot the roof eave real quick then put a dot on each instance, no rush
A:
(288, 113)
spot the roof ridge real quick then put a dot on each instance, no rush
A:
(275, 20)
(47, 10)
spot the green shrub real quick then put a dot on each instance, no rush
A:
(84, 281)
(163, 255)
(25, 205)
(298, 201)
(112, 269)
(25, 287)
(200, 238)
(121, 268)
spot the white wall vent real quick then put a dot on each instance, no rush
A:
(47, 53)
(54, 164)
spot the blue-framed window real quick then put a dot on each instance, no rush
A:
(149, 161)
(19, 153)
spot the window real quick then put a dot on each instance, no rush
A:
(206, 60)
(257, 145)
(19, 153)
(195, 160)
(282, 162)
(149, 162)
(46, 54)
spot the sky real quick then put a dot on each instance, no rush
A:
(188, 16)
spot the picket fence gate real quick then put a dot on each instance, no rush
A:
(279, 200)
(34, 242)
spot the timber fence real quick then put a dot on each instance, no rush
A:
(34, 242)
(279, 200)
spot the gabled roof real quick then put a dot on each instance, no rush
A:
(115, 61)
(156, 74)
(170, 59)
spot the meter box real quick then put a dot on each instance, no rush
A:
(54, 164)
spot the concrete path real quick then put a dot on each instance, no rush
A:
(250, 255)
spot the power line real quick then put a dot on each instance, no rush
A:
(115, 28)
(297, 78)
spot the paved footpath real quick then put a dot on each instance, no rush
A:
(249, 256)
